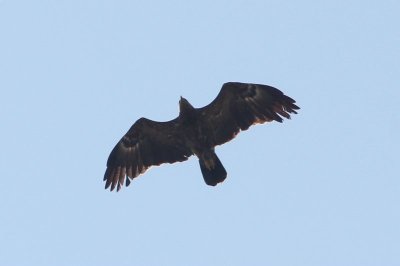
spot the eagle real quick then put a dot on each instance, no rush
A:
(196, 131)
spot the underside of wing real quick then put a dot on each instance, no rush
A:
(146, 143)
(240, 105)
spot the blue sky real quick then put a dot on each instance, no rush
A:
(320, 189)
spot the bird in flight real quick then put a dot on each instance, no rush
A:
(196, 131)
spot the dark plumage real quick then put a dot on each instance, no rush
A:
(196, 131)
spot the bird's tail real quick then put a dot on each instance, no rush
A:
(212, 169)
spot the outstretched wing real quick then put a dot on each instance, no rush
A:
(240, 105)
(145, 144)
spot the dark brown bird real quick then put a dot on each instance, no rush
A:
(196, 131)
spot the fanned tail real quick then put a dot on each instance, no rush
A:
(212, 169)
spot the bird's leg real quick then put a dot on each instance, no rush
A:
(209, 159)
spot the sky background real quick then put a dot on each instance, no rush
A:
(320, 189)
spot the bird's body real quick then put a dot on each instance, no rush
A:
(196, 131)
(197, 138)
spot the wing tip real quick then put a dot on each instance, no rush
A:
(116, 177)
(113, 177)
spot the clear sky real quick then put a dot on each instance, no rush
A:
(320, 189)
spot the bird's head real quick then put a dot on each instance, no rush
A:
(185, 106)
